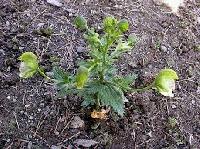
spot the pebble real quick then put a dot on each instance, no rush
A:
(56, 133)
(80, 49)
(163, 48)
(27, 106)
(173, 106)
(193, 102)
(8, 97)
(40, 25)
(41, 104)
(30, 144)
(77, 122)
(7, 23)
(21, 48)
(198, 20)
(2, 51)
(14, 100)
(55, 3)
(31, 117)
(198, 90)
(56, 147)
(8, 140)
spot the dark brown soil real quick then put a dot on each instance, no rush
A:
(32, 116)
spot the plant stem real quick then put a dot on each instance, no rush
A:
(142, 89)
(97, 102)
(43, 74)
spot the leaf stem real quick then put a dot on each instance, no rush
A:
(142, 89)
(43, 74)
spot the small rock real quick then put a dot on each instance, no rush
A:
(14, 100)
(173, 106)
(85, 142)
(39, 25)
(21, 48)
(8, 97)
(26, 106)
(31, 117)
(163, 48)
(2, 51)
(30, 144)
(193, 102)
(8, 140)
(198, 90)
(56, 147)
(80, 49)
(7, 23)
(198, 20)
(77, 122)
(41, 104)
(56, 133)
(55, 3)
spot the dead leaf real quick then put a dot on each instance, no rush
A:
(99, 115)
(85, 142)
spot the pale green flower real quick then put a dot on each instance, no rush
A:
(29, 65)
(165, 82)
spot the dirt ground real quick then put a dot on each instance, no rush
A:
(32, 116)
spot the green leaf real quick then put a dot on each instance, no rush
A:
(88, 93)
(29, 65)
(123, 25)
(88, 100)
(124, 82)
(80, 22)
(60, 77)
(93, 39)
(165, 82)
(81, 77)
(62, 80)
(121, 47)
(110, 95)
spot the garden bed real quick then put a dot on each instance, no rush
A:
(33, 116)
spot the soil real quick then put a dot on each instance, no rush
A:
(32, 116)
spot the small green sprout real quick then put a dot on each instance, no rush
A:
(29, 65)
(165, 82)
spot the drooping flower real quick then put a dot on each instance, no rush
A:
(29, 65)
(165, 82)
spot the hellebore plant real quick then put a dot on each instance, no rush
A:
(96, 79)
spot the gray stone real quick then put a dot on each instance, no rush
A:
(77, 122)
(55, 3)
